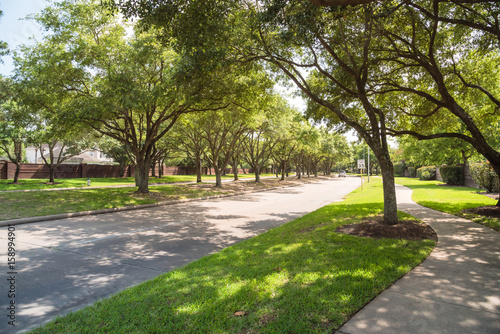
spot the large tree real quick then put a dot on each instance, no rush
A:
(191, 142)
(326, 53)
(13, 134)
(441, 61)
(139, 100)
(131, 88)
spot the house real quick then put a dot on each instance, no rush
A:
(91, 156)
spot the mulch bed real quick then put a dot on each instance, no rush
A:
(489, 211)
(490, 195)
(375, 228)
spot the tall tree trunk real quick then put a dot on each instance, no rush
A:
(390, 203)
(298, 172)
(218, 177)
(142, 176)
(496, 168)
(18, 153)
(52, 172)
(160, 169)
(256, 168)
(235, 171)
(153, 169)
(122, 169)
(16, 174)
(283, 167)
(198, 170)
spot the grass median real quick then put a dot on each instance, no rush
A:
(450, 199)
(39, 184)
(14, 205)
(302, 277)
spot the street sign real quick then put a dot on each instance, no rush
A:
(361, 163)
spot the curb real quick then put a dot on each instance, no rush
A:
(38, 219)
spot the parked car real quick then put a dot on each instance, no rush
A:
(342, 173)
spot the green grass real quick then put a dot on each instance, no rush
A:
(40, 203)
(434, 195)
(28, 184)
(301, 277)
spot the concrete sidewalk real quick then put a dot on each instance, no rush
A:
(455, 290)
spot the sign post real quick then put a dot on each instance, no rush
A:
(361, 165)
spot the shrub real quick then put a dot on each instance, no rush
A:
(427, 173)
(399, 168)
(412, 171)
(453, 175)
(485, 177)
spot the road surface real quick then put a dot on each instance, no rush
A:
(66, 264)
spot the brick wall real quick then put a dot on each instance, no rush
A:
(40, 171)
(3, 169)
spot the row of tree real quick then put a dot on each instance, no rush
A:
(426, 68)
(94, 81)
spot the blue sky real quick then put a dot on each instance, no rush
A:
(15, 31)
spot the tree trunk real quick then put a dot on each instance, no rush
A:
(243, 169)
(496, 169)
(160, 169)
(153, 169)
(283, 167)
(142, 177)
(122, 169)
(235, 171)
(218, 177)
(256, 168)
(390, 203)
(52, 172)
(16, 174)
(198, 170)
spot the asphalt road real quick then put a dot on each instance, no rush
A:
(66, 264)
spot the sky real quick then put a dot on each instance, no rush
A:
(15, 31)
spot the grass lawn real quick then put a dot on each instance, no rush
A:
(437, 196)
(40, 203)
(15, 205)
(27, 184)
(301, 277)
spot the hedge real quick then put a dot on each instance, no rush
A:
(399, 168)
(485, 177)
(412, 171)
(452, 175)
(427, 173)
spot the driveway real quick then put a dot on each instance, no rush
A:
(66, 264)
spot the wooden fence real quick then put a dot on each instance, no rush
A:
(63, 171)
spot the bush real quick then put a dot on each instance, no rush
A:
(453, 175)
(399, 168)
(485, 177)
(412, 171)
(427, 173)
